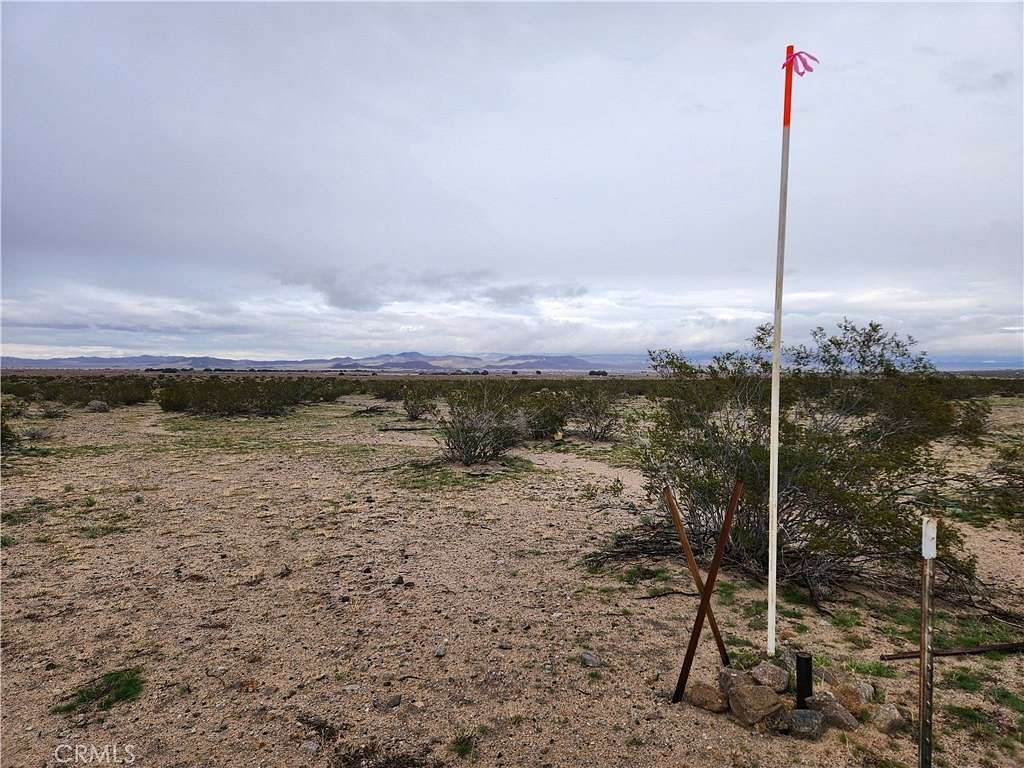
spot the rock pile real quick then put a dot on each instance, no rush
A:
(756, 698)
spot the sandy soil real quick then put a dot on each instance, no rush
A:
(249, 568)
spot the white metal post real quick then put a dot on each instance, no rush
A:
(773, 447)
(929, 545)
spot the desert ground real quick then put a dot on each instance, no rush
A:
(311, 590)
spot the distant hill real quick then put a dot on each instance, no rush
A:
(403, 361)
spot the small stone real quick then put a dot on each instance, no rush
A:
(409, 584)
(398, 580)
(786, 658)
(730, 678)
(888, 719)
(806, 724)
(345, 598)
(394, 701)
(831, 675)
(505, 645)
(835, 713)
(707, 697)
(769, 675)
(753, 703)
(591, 659)
(439, 652)
(310, 746)
(855, 695)
(97, 406)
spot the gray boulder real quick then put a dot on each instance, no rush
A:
(770, 675)
(835, 713)
(888, 719)
(730, 678)
(806, 724)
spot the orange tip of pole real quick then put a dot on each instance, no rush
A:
(787, 102)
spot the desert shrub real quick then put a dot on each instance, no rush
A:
(858, 410)
(546, 412)
(418, 399)
(34, 432)
(97, 406)
(971, 417)
(1008, 486)
(483, 421)
(9, 438)
(265, 396)
(594, 406)
(126, 389)
(13, 407)
(53, 411)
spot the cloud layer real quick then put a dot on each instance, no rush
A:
(324, 179)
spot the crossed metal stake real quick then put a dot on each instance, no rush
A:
(705, 589)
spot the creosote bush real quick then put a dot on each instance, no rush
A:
(594, 406)
(418, 400)
(858, 411)
(246, 394)
(547, 412)
(483, 421)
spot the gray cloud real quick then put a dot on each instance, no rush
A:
(318, 179)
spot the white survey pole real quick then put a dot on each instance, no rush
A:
(926, 663)
(773, 449)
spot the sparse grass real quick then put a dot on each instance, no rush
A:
(846, 619)
(6, 540)
(427, 476)
(872, 668)
(104, 528)
(637, 573)
(103, 692)
(725, 591)
(964, 679)
(970, 718)
(795, 595)
(1006, 698)
(34, 509)
(739, 642)
(756, 613)
(463, 745)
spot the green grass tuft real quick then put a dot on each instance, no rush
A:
(103, 692)
(463, 745)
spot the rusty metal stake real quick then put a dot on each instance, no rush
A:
(925, 690)
(691, 562)
(709, 588)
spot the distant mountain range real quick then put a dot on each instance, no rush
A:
(404, 361)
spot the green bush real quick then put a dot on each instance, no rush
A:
(594, 406)
(858, 411)
(127, 389)
(546, 412)
(483, 421)
(418, 399)
(266, 396)
(9, 438)
(971, 417)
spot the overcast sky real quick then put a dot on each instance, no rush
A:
(299, 180)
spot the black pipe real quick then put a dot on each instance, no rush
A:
(804, 680)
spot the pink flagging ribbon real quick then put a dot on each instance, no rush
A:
(800, 61)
